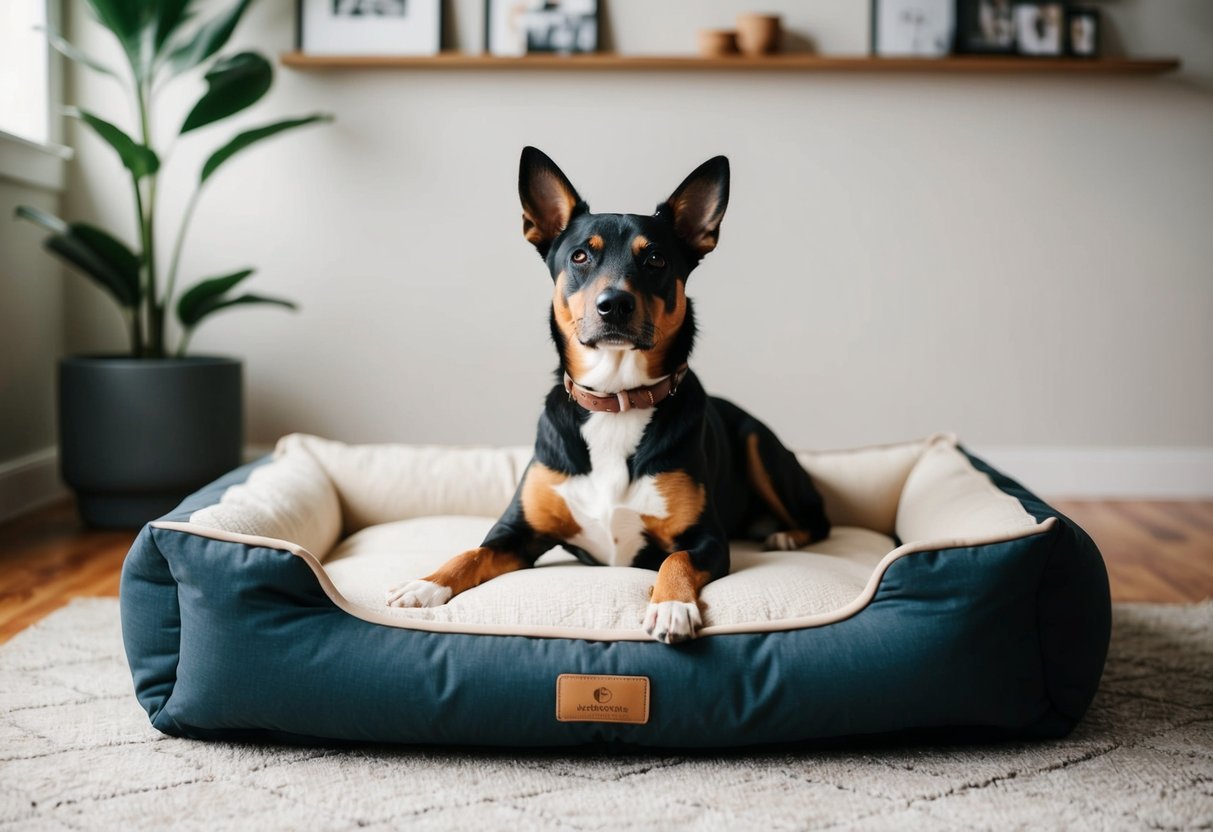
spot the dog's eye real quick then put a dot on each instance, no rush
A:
(579, 256)
(655, 261)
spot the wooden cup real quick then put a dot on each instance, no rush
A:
(758, 34)
(713, 43)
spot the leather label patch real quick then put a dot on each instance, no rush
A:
(602, 698)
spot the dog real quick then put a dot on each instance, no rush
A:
(634, 464)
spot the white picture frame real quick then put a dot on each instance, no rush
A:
(913, 28)
(1040, 29)
(517, 27)
(370, 27)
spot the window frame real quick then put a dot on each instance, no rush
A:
(41, 164)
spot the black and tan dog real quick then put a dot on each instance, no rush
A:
(635, 465)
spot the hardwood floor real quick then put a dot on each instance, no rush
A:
(47, 558)
(1155, 551)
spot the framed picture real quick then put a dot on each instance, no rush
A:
(1082, 30)
(912, 28)
(985, 27)
(516, 27)
(370, 27)
(1040, 28)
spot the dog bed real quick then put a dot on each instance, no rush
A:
(947, 599)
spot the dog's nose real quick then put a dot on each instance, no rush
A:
(616, 305)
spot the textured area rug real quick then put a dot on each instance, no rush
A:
(76, 752)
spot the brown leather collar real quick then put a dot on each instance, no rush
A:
(638, 398)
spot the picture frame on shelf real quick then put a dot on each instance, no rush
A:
(985, 27)
(545, 27)
(1082, 32)
(521, 27)
(369, 27)
(913, 28)
(1040, 29)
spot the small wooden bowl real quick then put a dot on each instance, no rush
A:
(759, 34)
(716, 42)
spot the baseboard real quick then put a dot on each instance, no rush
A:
(1094, 473)
(29, 482)
(32, 481)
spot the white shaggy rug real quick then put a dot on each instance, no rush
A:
(76, 752)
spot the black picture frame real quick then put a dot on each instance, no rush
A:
(492, 9)
(985, 27)
(1075, 41)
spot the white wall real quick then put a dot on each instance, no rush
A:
(30, 328)
(31, 339)
(31, 306)
(1026, 261)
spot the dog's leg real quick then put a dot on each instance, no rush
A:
(457, 575)
(785, 488)
(673, 613)
(535, 521)
(510, 545)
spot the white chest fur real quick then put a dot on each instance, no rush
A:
(605, 503)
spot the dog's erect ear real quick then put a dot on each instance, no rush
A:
(549, 200)
(697, 206)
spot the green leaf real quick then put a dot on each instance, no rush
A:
(194, 304)
(48, 221)
(249, 137)
(143, 27)
(224, 303)
(111, 249)
(170, 14)
(60, 45)
(232, 84)
(208, 40)
(127, 20)
(139, 159)
(101, 257)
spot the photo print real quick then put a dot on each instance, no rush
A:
(370, 27)
(913, 28)
(519, 27)
(1083, 25)
(985, 27)
(1040, 28)
(370, 8)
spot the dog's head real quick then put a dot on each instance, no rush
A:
(620, 279)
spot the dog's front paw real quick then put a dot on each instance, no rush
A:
(418, 594)
(672, 621)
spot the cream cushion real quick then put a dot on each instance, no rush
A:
(561, 591)
(368, 517)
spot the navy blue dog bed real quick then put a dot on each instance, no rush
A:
(948, 599)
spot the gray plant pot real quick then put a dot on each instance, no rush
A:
(136, 436)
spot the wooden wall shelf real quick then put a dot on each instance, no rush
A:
(974, 65)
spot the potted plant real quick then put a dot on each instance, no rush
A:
(139, 431)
